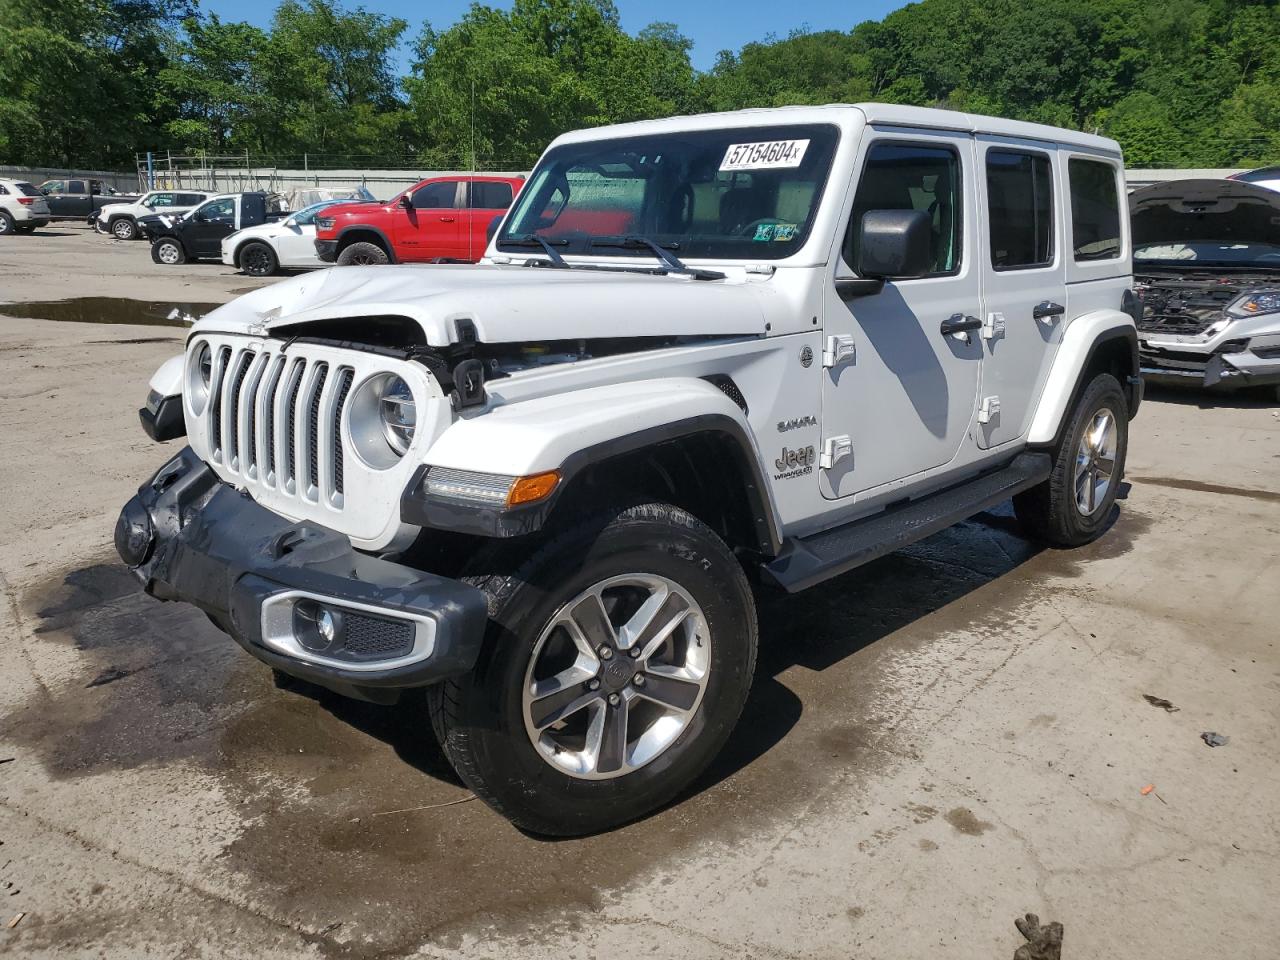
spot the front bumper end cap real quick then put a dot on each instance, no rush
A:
(188, 536)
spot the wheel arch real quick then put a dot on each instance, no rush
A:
(365, 233)
(687, 444)
(1104, 341)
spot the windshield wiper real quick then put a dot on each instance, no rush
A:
(549, 246)
(673, 263)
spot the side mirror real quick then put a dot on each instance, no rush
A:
(406, 202)
(492, 228)
(892, 244)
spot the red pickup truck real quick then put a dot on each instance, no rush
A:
(443, 218)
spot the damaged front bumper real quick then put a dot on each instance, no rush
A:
(1245, 362)
(295, 595)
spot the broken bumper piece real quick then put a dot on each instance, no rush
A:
(1254, 363)
(297, 596)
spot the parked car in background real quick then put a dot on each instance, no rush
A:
(22, 207)
(121, 219)
(1268, 177)
(443, 218)
(198, 235)
(290, 243)
(1206, 263)
(80, 198)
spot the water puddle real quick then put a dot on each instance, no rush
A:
(109, 310)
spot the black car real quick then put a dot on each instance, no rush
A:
(198, 235)
(80, 199)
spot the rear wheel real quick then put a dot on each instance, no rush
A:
(258, 260)
(168, 251)
(7, 225)
(122, 228)
(362, 254)
(1073, 506)
(617, 661)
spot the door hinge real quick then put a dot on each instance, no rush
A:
(840, 348)
(989, 410)
(834, 450)
(993, 326)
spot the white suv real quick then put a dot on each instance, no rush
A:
(703, 357)
(121, 219)
(22, 207)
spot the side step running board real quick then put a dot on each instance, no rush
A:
(808, 560)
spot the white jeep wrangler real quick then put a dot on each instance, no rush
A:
(704, 357)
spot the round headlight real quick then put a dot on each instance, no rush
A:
(397, 412)
(200, 377)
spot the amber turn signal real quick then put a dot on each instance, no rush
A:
(534, 488)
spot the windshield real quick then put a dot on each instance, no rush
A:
(747, 193)
(1207, 251)
(307, 215)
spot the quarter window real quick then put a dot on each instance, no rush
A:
(1020, 209)
(898, 176)
(1095, 210)
(437, 196)
(490, 196)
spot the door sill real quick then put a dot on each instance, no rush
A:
(805, 561)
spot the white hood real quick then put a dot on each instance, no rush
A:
(505, 303)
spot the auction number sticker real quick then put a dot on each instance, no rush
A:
(766, 155)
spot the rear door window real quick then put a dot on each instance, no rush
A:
(901, 176)
(442, 195)
(189, 199)
(489, 196)
(1020, 209)
(1095, 210)
(76, 186)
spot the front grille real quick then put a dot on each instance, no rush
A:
(254, 393)
(373, 638)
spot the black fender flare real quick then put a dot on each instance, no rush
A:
(417, 508)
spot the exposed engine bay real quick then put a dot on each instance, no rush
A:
(462, 368)
(1188, 304)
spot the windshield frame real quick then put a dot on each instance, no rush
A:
(541, 185)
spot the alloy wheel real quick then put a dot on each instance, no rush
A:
(616, 676)
(1096, 462)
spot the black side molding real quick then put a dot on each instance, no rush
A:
(806, 561)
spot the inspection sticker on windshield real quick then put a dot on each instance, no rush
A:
(767, 155)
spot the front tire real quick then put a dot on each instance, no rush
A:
(1073, 507)
(560, 727)
(122, 228)
(258, 260)
(362, 254)
(168, 251)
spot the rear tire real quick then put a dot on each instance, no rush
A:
(258, 260)
(168, 252)
(123, 228)
(362, 253)
(1073, 507)
(550, 776)
(7, 225)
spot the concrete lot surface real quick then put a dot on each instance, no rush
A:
(936, 744)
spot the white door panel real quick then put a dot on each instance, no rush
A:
(296, 246)
(905, 398)
(1022, 276)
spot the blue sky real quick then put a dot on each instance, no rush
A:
(711, 26)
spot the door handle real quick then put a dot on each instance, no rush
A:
(959, 323)
(1046, 309)
(446, 219)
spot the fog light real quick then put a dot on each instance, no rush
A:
(134, 536)
(317, 627)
